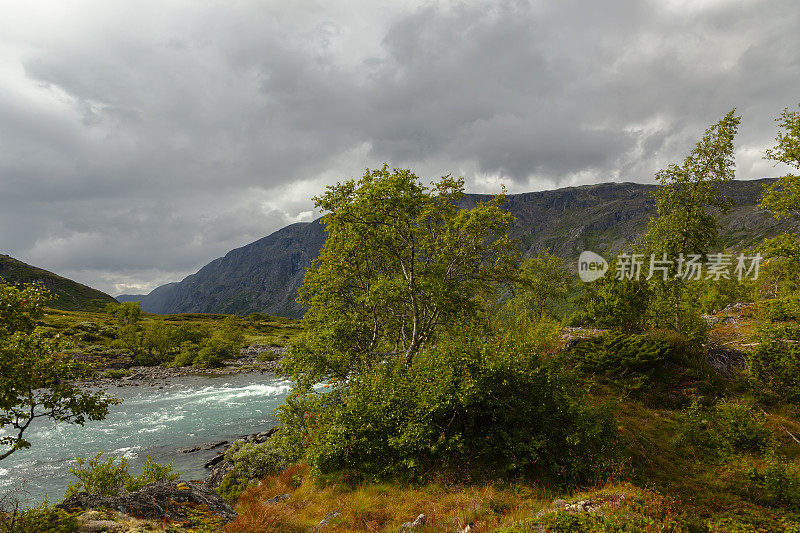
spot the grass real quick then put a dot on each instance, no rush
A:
(68, 294)
(667, 485)
(92, 334)
(501, 507)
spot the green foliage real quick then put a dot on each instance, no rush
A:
(615, 304)
(39, 519)
(224, 343)
(400, 262)
(684, 223)
(663, 309)
(109, 477)
(725, 429)
(97, 476)
(35, 380)
(786, 308)
(776, 484)
(541, 283)
(251, 462)
(775, 366)
(783, 197)
(467, 404)
(709, 296)
(158, 340)
(125, 312)
(151, 472)
(635, 358)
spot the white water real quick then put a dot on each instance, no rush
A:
(188, 411)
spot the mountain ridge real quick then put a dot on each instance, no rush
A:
(68, 295)
(264, 275)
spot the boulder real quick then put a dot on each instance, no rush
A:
(162, 500)
(206, 446)
(328, 518)
(216, 473)
(100, 526)
(419, 522)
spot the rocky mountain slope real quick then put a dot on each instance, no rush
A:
(68, 295)
(264, 276)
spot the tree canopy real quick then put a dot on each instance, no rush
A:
(402, 261)
(783, 196)
(36, 381)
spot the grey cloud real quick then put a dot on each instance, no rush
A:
(138, 145)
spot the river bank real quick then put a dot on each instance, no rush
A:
(252, 360)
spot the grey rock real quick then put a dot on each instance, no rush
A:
(96, 526)
(156, 501)
(214, 460)
(214, 478)
(419, 522)
(277, 499)
(206, 446)
(328, 518)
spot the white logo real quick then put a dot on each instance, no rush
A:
(591, 266)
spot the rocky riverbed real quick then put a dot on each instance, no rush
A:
(251, 360)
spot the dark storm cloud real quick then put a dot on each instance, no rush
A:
(139, 141)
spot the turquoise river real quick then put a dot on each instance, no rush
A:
(150, 421)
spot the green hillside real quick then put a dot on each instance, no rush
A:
(67, 294)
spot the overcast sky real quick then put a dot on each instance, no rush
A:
(140, 140)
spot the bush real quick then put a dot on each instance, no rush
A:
(615, 304)
(636, 359)
(214, 352)
(151, 472)
(727, 428)
(775, 365)
(251, 462)
(776, 484)
(39, 519)
(465, 405)
(786, 308)
(116, 373)
(106, 478)
(225, 343)
(110, 477)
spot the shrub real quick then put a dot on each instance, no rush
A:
(214, 352)
(786, 308)
(727, 428)
(776, 484)
(775, 365)
(116, 373)
(251, 461)
(225, 343)
(151, 472)
(636, 359)
(110, 477)
(467, 404)
(106, 478)
(39, 519)
(615, 304)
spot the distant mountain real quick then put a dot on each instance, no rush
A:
(130, 297)
(264, 276)
(68, 295)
